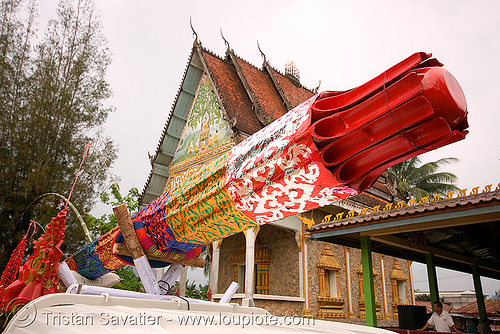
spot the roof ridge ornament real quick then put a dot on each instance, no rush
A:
(262, 53)
(412, 202)
(194, 32)
(225, 40)
(316, 90)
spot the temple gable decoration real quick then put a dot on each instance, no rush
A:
(205, 128)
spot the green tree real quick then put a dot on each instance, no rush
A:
(192, 291)
(52, 93)
(105, 223)
(416, 180)
(129, 280)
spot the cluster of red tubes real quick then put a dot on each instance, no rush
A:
(414, 107)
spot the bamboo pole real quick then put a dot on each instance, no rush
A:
(72, 207)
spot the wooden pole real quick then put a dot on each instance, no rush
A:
(199, 262)
(182, 283)
(135, 248)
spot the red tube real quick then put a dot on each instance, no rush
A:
(328, 105)
(363, 163)
(337, 125)
(383, 127)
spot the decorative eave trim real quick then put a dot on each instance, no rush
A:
(165, 128)
(275, 80)
(259, 111)
(413, 209)
(194, 161)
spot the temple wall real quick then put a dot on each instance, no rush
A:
(229, 246)
(280, 307)
(284, 276)
(284, 267)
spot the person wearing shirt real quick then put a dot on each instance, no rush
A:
(441, 320)
(473, 326)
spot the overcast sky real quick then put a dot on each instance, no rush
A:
(342, 43)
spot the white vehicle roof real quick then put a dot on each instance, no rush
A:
(90, 314)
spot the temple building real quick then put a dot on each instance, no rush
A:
(220, 102)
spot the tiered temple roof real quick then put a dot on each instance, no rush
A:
(250, 98)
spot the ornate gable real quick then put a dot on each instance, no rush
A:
(266, 100)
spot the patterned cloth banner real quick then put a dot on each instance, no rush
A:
(327, 149)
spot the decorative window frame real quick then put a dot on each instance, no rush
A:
(397, 276)
(329, 306)
(261, 273)
(362, 307)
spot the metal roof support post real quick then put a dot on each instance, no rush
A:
(479, 292)
(366, 260)
(432, 277)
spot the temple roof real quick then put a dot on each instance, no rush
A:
(266, 100)
(249, 97)
(295, 95)
(460, 231)
(492, 309)
(235, 100)
(448, 205)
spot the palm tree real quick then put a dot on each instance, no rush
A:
(416, 180)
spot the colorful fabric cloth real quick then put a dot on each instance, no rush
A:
(271, 175)
(97, 258)
(152, 250)
(293, 165)
(413, 107)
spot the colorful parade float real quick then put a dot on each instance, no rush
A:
(331, 146)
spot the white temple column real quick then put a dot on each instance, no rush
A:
(214, 266)
(300, 246)
(348, 278)
(411, 282)
(182, 282)
(384, 292)
(305, 266)
(249, 267)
